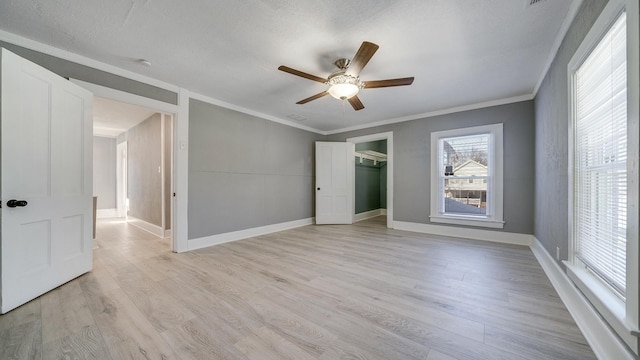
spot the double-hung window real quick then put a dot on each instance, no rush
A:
(466, 176)
(602, 178)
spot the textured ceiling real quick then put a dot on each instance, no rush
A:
(111, 118)
(461, 52)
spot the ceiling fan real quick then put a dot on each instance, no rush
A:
(345, 83)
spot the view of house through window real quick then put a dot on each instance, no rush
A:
(465, 174)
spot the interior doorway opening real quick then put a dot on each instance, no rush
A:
(370, 179)
(373, 180)
(133, 165)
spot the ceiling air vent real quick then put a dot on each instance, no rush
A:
(531, 3)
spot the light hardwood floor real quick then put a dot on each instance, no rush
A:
(317, 292)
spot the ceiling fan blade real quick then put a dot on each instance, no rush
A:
(301, 74)
(356, 103)
(361, 58)
(311, 98)
(388, 83)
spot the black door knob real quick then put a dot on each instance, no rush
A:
(14, 203)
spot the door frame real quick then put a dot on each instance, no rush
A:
(180, 112)
(375, 137)
(121, 180)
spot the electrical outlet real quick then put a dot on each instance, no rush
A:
(558, 253)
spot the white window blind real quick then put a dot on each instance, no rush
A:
(600, 157)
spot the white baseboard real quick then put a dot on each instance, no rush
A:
(466, 233)
(244, 234)
(106, 213)
(167, 233)
(603, 341)
(152, 228)
(369, 214)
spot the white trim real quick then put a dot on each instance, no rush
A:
(121, 179)
(180, 209)
(466, 233)
(243, 110)
(167, 233)
(180, 148)
(163, 172)
(369, 214)
(603, 341)
(248, 233)
(164, 204)
(564, 28)
(633, 152)
(467, 221)
(452, 110)
(147, 226)
(495, 198)
(82, 60)
(609, 306)
(375, 137)
(106, 213)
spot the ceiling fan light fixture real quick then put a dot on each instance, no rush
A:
(343, 87)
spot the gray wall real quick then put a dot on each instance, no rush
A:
(68, 69)
(104, 172)
(552, 129)
(411, 141)
(246, 172)
(144, 182)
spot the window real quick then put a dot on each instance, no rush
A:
(603, 249)
(600, 159)
(466, 176)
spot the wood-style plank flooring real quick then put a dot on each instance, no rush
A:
(317, 292)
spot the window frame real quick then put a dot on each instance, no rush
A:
(495, 164)
(621, 315)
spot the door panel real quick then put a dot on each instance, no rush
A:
(36, 242)
(71, 244)
(334, 173)
(32, 157)
(67, 137)
(46, 151)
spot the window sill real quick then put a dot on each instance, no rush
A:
(467, 221)
(608, 305)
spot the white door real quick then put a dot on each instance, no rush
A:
(46, 151)
(335, 166)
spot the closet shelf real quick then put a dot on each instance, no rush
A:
(371, 155)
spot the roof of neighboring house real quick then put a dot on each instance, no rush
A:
(470, 163)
